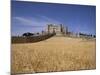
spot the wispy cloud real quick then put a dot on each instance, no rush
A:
(32, 21)
(23, 21)
(50, 20)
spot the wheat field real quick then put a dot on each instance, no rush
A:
(54, 54)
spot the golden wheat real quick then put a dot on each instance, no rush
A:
(54, 54)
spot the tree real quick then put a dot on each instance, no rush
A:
(94, 36)
(37, 33)
(28, 34)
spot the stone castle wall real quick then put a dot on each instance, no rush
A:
(58, 29)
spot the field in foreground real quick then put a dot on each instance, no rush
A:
(54, 54)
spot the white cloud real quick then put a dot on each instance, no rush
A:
(40, 21)
(25, 21)
(49, 20)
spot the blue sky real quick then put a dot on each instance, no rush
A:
(34, 16)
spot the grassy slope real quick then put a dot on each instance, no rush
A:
(54, 54)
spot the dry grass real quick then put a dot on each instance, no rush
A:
(54, 54)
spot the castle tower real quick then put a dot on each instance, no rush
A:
(58, 29)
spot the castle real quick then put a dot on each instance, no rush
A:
(58, 29)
